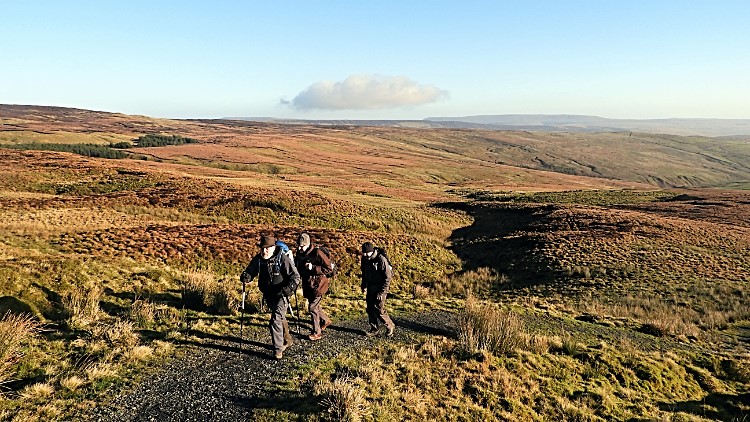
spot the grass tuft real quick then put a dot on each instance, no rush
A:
(81, 307)
(14, 331)
(202, 292)
(485, 327)
(343, 400)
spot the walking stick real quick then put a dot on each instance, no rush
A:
(291, 310)
(296, 301)
(242, 317)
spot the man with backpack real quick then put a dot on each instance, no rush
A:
(376, 279)
(277, 281)
(314, 266)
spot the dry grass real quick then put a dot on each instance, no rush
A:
(486, 327)
(477, 282)
(143, 313)
(343, 399)
(201, 291)
(37, 391)
(15, 330)
(81, 306)
(140, 353)
(72, 383)
(71, 222)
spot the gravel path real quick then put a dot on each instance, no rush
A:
(216, 380)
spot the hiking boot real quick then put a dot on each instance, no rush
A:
(279, 353)
(314, 337)
(389, 333)
(325, 325)
(372, 332)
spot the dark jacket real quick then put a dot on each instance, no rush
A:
(376, 273)
(314, 281)
(276, 275)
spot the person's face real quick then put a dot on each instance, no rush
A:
(368, 255)
(267, 252)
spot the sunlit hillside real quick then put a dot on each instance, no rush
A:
(538, 276)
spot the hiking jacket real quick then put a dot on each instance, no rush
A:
(376, 273)
(314, 281)
(276, 275)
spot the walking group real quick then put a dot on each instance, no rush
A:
(280, 272)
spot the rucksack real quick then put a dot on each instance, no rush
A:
(334, 268)
(381, 251)
(285, 251)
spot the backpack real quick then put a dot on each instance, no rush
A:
(277, 262)
(381, 251)
(334, 268)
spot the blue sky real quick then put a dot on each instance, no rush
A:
(379, 60)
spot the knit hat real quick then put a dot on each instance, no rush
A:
(303, 240)
(267, 241)
(368, 247)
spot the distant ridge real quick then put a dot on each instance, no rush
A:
(546, 123)
(583, 123)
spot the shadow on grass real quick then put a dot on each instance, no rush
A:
(500, 239)
(293, 404)
(425, 329)
(230, 344)
(717, 406)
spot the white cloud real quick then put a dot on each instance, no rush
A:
(366, 92)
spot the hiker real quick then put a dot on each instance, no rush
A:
(277, 281)
(376, 279)
(314, 267)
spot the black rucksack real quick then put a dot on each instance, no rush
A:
(334, 268)
(381, 251)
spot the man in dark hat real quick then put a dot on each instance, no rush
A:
(376, 279)
(314, 268)
(277, 280)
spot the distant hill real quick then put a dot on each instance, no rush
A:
(582, 123)
(419, 159)
(546, 123)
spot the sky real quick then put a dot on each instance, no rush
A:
(384, 59)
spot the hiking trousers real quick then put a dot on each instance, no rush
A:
(376, 313)
(277, 306)
(318, 316)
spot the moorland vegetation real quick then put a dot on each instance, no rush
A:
(613, 287)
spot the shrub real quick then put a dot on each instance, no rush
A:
(162, 140)
(87, 150)
(485, 327)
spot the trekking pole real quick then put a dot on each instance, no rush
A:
(296, 301)
(242, 317)
(291, 310)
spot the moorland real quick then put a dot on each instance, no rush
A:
(595, 276)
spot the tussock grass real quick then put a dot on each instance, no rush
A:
(201, 291)
(37, 391)
(72, 383)
(81, 306)
(484, 327)
(15, 330)
(343, 399)
(440, 381)
(476, 282)
(143, 313)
